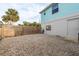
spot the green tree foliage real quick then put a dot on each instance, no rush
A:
(10, 15)
(34, 23)
(26, 23)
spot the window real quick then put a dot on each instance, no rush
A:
(44, 13)
(48, 27)
(55, 8)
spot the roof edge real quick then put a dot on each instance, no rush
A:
(46, 8)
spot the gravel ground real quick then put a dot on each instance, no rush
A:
(38, 45)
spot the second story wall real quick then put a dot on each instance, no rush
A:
(65, 9)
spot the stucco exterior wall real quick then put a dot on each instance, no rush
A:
(65, 9)
(66, 27)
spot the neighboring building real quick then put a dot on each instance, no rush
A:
(61, 19)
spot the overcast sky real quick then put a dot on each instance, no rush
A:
(27, 11)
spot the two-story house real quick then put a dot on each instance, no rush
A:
(61, 19)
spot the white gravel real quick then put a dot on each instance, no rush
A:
(37, 45)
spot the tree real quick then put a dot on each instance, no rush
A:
(26, 23)
(10, 15)
(5, 18)
(34, 23)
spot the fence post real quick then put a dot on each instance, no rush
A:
(1, 30)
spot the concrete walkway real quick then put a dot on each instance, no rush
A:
(37, 44)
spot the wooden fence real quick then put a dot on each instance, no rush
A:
(10, 31)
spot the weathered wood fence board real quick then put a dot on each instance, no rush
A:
(10, 31)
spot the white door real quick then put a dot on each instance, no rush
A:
(73, 29)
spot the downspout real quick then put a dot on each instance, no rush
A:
(78, 37)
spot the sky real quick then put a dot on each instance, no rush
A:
(27, 11)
